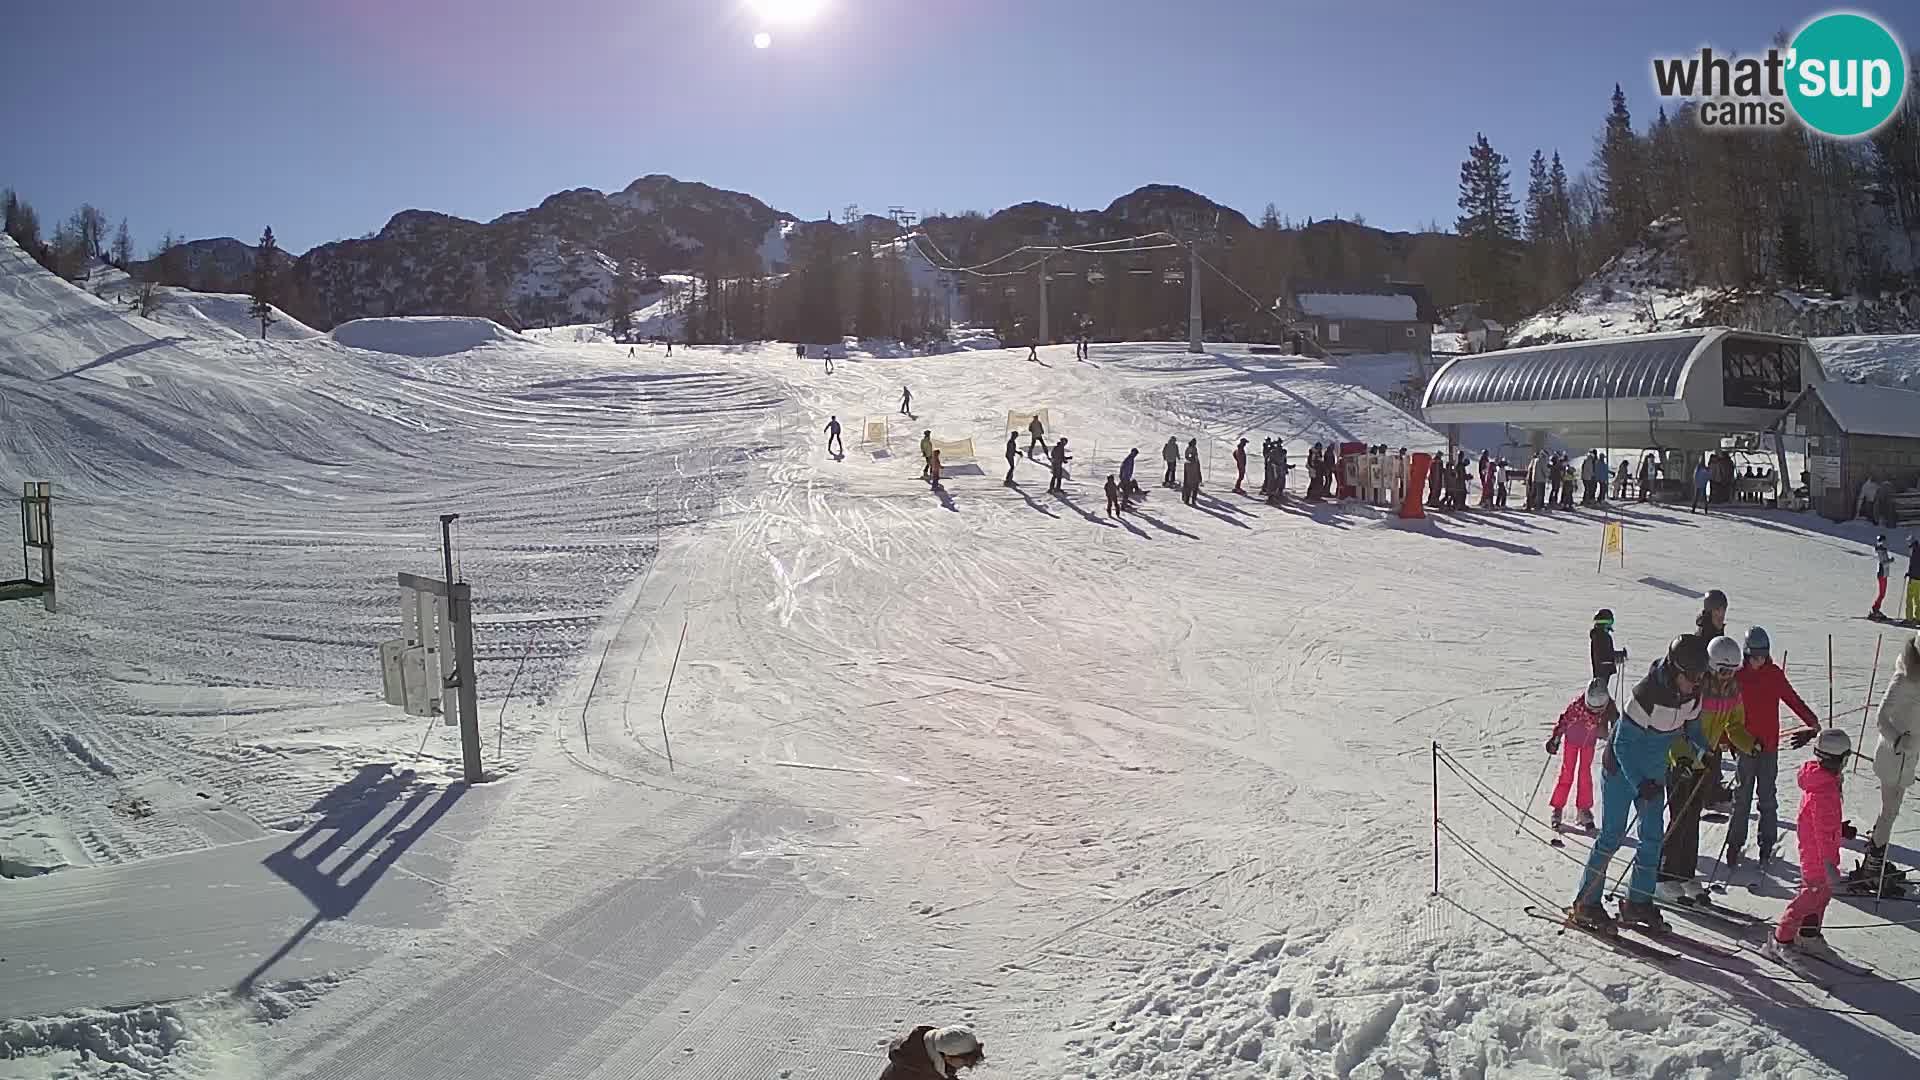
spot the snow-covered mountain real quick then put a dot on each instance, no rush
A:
(551, 264)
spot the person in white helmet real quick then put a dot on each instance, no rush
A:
(1818, 828)
(933, 1053)
(1895, 759)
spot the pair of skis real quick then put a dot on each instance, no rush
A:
(1738, 925)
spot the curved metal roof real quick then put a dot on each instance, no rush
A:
(1576, 370)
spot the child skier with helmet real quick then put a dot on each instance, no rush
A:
(1818, 827)
(1606, 659)
(1763, 687)
(1582, 726)
(1663, 706)
(1882, 562)
(1691, 776)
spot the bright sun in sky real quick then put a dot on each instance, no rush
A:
(787, 11)
(762, 40)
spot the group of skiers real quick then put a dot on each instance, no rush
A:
(1661, 745)
(1882, 562)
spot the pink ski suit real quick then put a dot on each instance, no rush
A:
(1818, 827)
(1579, 730)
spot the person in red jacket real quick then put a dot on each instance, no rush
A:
(1763, 686)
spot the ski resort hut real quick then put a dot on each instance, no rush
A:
(1855, 432)
(1385, 317)
(1683, 391)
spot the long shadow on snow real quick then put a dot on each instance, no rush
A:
(1323, 513)
(946, 498)
(1831, 1038)
(1031, 501)
(1162, 525)
(1206, 503)
(1471, 540)
(118, 354)
(1061, 496)
(348, 809)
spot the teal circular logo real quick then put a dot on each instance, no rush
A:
(1846, 75)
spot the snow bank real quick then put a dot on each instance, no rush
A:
(426, 335)
(225, 315)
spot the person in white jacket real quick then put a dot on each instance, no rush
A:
(1895, 759)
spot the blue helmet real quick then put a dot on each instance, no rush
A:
(1757, 640)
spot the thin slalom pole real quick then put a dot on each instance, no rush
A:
(1829, 680)
(1519, 824)
(1867, 705)
(1434, 753)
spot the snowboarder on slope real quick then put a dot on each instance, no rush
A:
(926, 452)
(1763, 686)
(1818, 827)
(1896, 756)
(1583, 724)
(1665, 705)
(1691, 777)
(833, 436)
(1013, 448)
(1240, 466)
(1060, 459)
(1605, 658)
(1171, 452)
(1883, 562)
(933, 1053)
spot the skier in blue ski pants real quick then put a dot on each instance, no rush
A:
(1634, 774)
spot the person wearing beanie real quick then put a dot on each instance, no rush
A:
(933, 1053)
(1712, 620)
(1606, 659)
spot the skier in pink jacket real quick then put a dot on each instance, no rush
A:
(1582, 725)
(1818, 827)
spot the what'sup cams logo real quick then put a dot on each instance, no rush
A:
(1842, 75)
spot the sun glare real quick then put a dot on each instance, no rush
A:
(786, 11)
(763, 40)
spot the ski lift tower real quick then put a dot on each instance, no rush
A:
(1194, 344)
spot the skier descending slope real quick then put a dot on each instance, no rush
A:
(1895, 758)
(1582, 726)
(1663, 706)
(931, 1053)
(1819, 830)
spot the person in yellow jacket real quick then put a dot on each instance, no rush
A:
(926, 454)
(1723, 722)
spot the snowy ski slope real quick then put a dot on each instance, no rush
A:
(1138, 797)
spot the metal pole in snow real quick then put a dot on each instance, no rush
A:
(1868, 704)
(1434, 752)
(669, 693)
(1829, 680)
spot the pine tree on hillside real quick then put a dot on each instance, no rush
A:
(122, 246)
(1489, 229)
(620, 303)
(1560, 198)
(1794, 262)
(265, 271)
(1620, 169)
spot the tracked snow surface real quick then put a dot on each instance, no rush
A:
(790, 753)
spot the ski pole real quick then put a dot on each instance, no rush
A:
(1868, 704)
(1520, 824)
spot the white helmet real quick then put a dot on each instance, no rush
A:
(1597, 696)
(1724, 654)
(1833, 743)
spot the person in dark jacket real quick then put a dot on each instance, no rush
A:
(1171, 454)
(1113, 496)
(1240, 467)
(1712, 620)
(933, 1053)
(1190, 479)
(1606, 659)
(1060, 459)
(1128, 488)
(1435, 474)
(834, 445)
(1313, 471)
(1013, 448)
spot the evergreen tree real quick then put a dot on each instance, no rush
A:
(122, 246)
(1619, 168)
(1489, 229)
(265, 271)
(1270, 218)
(1539, 209)
(1560, 199)
(1795, 260)
(620, 303)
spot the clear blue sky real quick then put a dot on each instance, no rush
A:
(324, 117)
